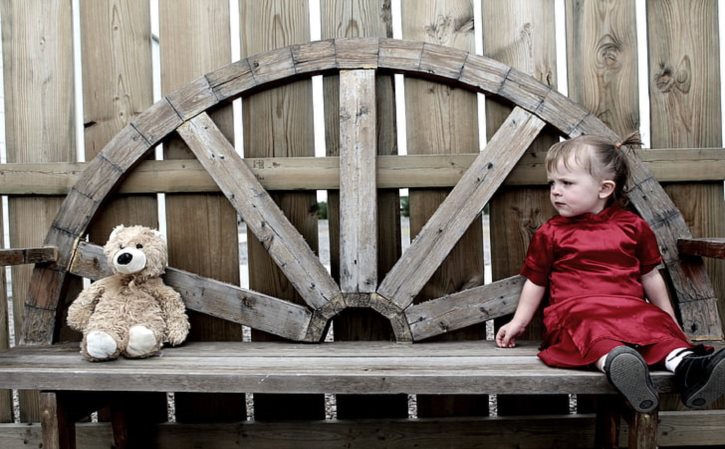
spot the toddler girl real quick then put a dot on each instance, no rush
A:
(599, 261)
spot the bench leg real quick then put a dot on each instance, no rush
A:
(57, 422)
(607, 424)
(643, 430)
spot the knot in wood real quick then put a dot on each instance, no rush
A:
(669, 79)
(609, 51)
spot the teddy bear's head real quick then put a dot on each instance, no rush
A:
(136, 251)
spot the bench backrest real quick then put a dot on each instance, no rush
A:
(394, 294)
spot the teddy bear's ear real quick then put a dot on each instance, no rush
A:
(158, 234)
(116, 231)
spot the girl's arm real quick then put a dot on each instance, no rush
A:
(656, 292)
(529, 301)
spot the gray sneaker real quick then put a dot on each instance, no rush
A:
(628, 373)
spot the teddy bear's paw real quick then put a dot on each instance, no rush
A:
(141, 342)
(100, 345)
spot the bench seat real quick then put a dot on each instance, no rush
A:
(339, 367)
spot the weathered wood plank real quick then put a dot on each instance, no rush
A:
(58, 429)
(279, 122)
(704, 247)
(283, 242)
(114, 92)
(685, 94)
(361, 367)
(458, 310)
(314, 57)
(358, 190)
(212, 297)
(602, 61)
(354, 19)
(19, 256)
(39, 106)
(239, 305)
(475, 188)
(359, 53)
(315, 173)
(690, 428)
(6, 396)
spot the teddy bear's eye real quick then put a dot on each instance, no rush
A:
(120, 246)
(139, 246)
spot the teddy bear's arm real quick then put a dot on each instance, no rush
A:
(172, 306)
(79, 313)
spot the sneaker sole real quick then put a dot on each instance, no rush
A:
(711, 391)
(630, 375)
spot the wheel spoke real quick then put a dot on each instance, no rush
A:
(460, 208)
(464, 308)
(358, 194)
(264, 218)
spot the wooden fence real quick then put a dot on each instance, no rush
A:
(603, 62)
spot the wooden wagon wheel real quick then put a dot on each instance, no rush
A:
(357, 61)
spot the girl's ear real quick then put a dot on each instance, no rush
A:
(606, 189)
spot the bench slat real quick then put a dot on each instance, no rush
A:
(340, 367)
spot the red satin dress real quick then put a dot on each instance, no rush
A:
(592, 265)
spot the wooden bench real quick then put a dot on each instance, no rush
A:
(339, 367)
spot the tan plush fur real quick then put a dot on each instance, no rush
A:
(131, 313)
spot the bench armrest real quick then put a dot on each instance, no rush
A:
(20, 256)
(704, 247)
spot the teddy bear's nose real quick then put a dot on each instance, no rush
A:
(124, 259)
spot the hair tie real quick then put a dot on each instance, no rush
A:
(618, 145)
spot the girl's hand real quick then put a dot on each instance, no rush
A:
(506, 335)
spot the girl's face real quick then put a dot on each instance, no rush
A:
(574, 191)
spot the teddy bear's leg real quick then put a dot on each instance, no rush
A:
(142, 342)
(100, 345)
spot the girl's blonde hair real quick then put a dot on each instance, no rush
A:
(599, 156)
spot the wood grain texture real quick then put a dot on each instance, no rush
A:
(340, 367)
(602, 61)
(684, 101)
(6, 396)
(38, 77)
(358, 185)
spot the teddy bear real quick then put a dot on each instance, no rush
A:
(131, 312)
